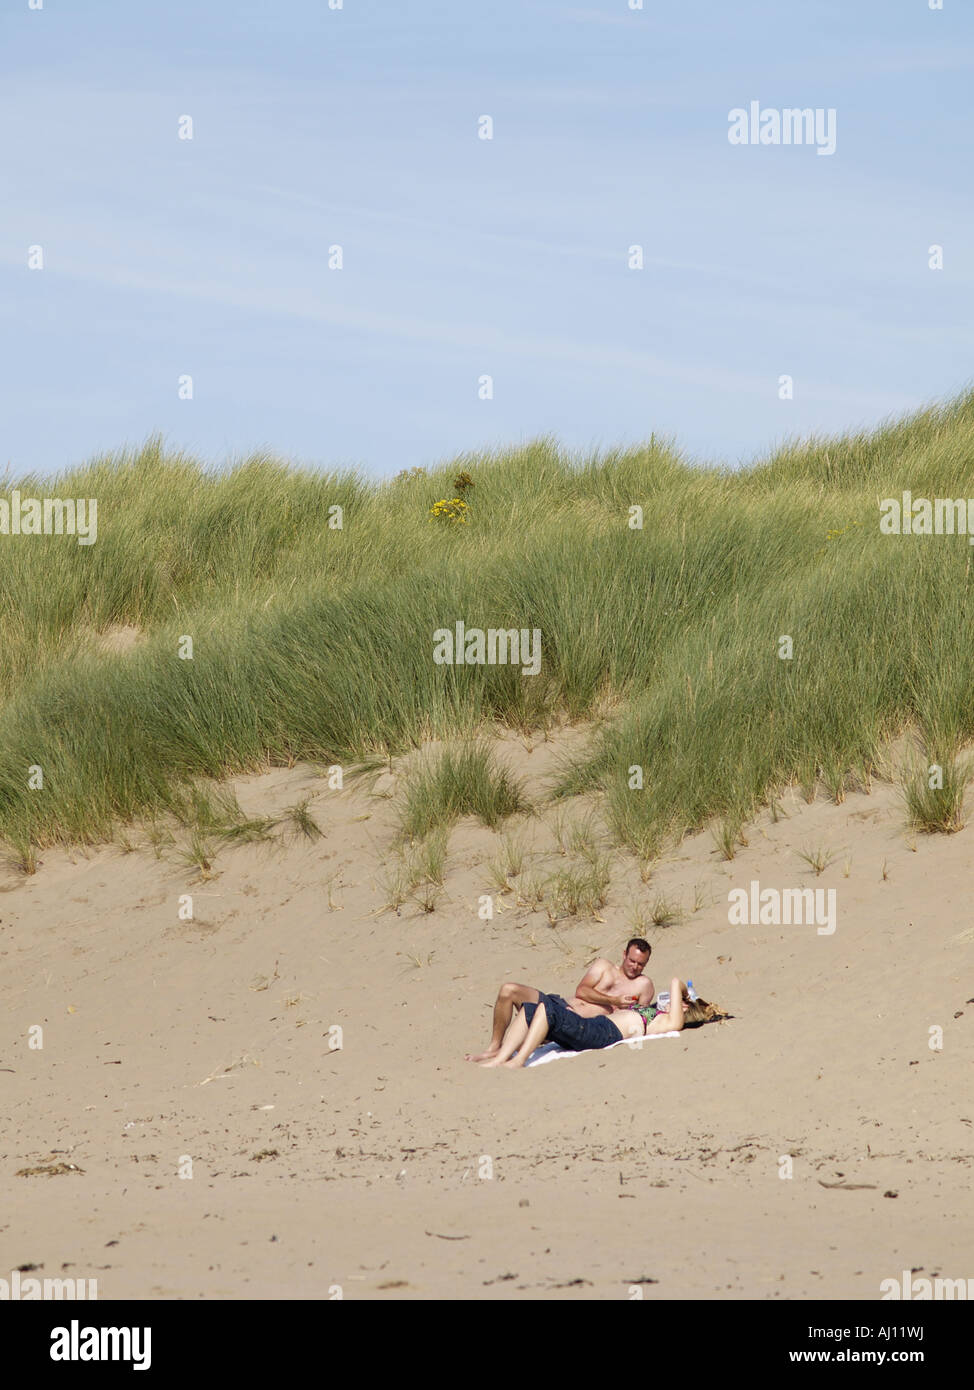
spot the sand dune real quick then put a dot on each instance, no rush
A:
(389, 1167)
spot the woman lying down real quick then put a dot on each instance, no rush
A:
(550, 1019)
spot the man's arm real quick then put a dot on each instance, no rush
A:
(588, 987)
(644, 990)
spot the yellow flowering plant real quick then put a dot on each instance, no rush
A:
(453, 510)
(456, 508)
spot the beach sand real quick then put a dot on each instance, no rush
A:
(391, 1168)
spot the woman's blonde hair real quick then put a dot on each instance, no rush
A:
(699, 1011)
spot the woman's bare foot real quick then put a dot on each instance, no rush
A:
(494, 1061)
(481, 1056)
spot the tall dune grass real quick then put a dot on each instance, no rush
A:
(312, 642)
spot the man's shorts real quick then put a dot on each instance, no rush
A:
(569, 1030)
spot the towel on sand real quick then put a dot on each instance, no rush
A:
(551, 1052)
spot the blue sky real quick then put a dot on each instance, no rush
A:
(463, 256)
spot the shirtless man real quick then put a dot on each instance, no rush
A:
(602, 988)
(605, 986)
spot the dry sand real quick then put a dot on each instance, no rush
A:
(390, 1168)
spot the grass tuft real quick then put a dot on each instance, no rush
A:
(937, 808)
(450, 783)
(302, 820)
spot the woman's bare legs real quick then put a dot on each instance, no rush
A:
(534, 1037)
(513, 1038)
(508, 995)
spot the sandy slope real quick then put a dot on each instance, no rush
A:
(656, 1170)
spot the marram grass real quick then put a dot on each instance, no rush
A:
(314, 641)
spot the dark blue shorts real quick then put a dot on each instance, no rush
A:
(570, 1030)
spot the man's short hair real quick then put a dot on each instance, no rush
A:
(640, 944)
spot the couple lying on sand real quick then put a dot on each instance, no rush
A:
(611, 1002)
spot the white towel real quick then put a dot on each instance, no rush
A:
(551, 1052)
